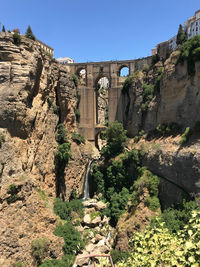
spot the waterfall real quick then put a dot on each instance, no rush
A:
(86, 194)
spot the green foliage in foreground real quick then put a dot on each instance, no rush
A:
(190, 51)
(115, 135)
(158, 247)
(176, 218)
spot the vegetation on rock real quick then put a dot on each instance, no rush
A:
(116, 138)
(78, 138)
(29, 34)
(39, 249)
(190, 52)
(17, 38)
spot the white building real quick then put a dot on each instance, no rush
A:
(191, 28)
(192, 25)
(65, 60)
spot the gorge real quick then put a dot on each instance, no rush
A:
(43, 155)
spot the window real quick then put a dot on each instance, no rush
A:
(196, 29)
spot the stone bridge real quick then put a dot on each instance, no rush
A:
(88, 90)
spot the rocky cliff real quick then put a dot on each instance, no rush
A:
(176, 96)
(36, 94)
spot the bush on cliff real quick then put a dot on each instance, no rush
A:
(190, 51)
(39, 249)
(16, 38)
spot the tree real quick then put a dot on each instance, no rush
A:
(29, 34)
(181, 36)
(3, 29)
(115, 135)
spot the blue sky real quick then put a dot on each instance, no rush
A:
(92, 30)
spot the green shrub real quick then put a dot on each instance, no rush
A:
(66, 261)
(76, 205)
(29, 34)
(78, 138)
(185, 136)
(3, 29)
(17, 38)
(62, 209)
(176, 218)
(62, 156)
(148, 91)
(61, 134)
(166, 129)
(39, 249)
(117, 205)
(75, 79)
(153, 203)
(73, 242)
(116, 138)
(189, 51)
(149, 181)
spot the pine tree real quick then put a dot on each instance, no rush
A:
(29, 34)
(181, 36)
(3, 29)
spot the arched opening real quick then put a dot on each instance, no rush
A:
(124, 71)
(102, 86)
(81, 73)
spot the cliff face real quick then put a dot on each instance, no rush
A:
(31, 88)
(178, 99)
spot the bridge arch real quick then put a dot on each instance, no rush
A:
(124, 70)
